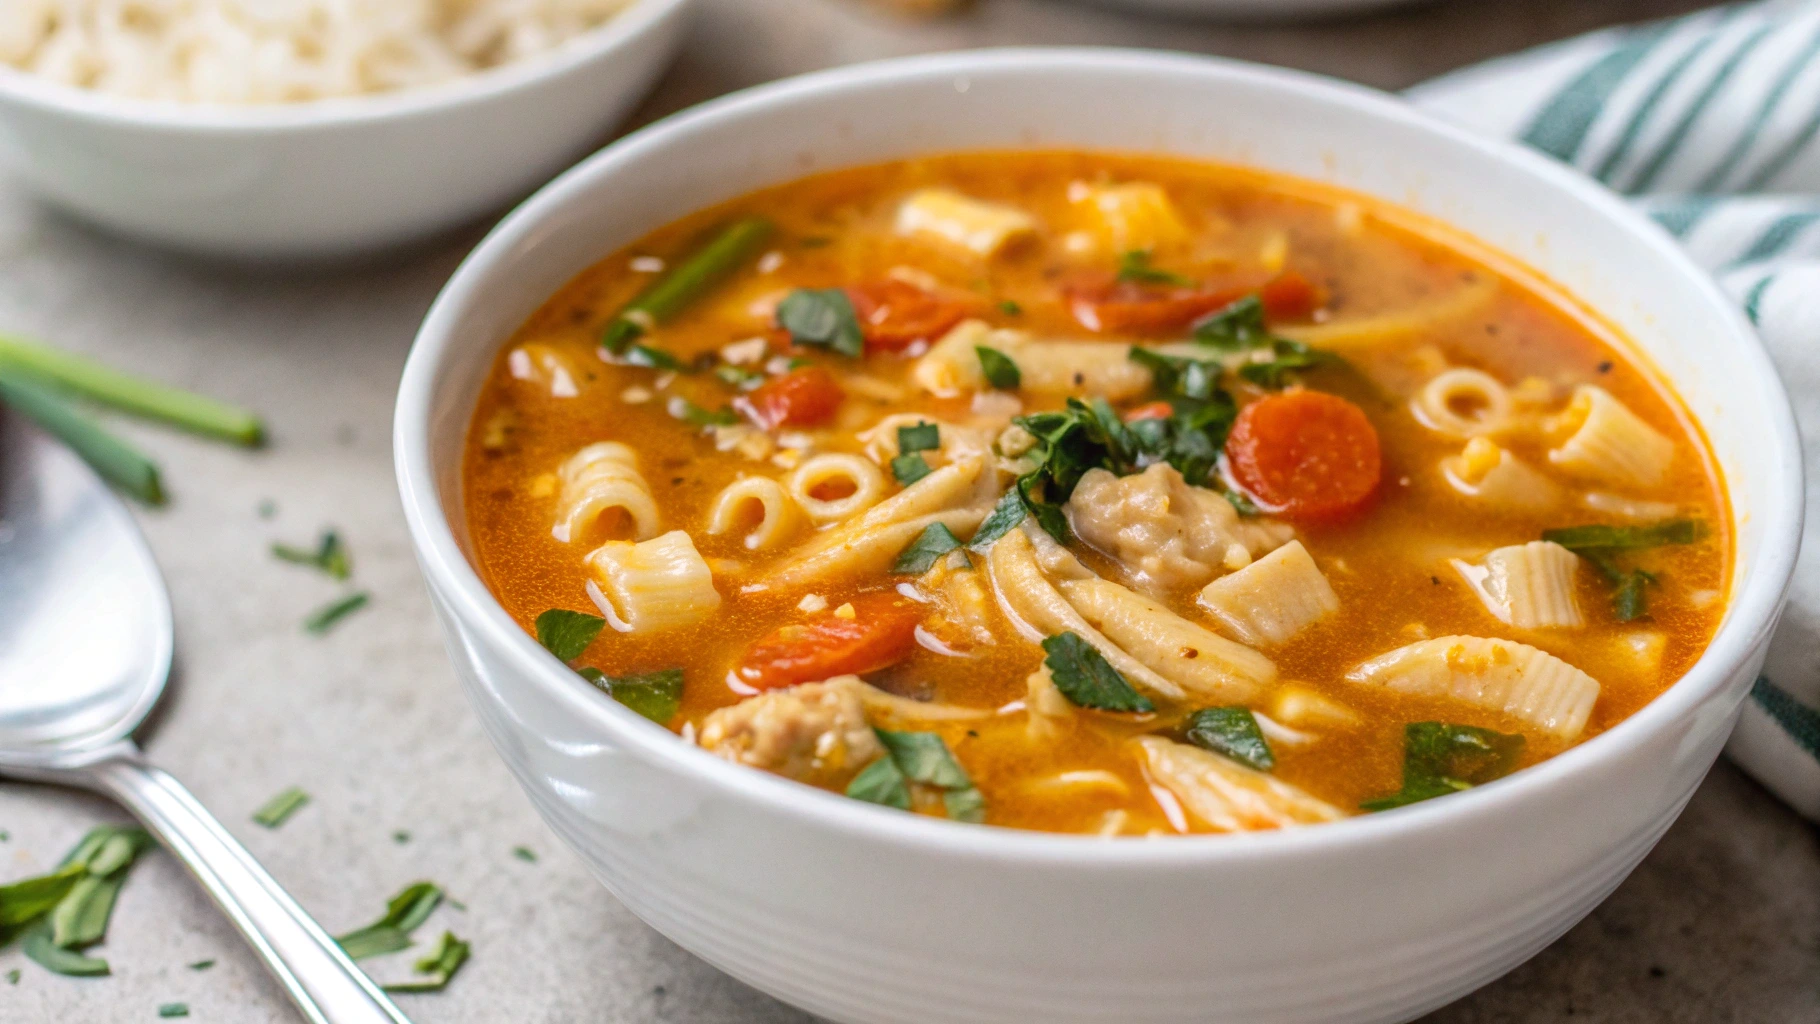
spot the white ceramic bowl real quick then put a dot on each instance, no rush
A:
(1249, 10)
(311, 180)
(865, 914)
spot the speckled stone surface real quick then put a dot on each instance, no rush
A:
(1721, 923)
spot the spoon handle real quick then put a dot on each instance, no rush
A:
(319, 977)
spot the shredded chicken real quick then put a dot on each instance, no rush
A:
(814, 732)
(1167, 534)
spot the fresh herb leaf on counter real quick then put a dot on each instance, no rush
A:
(324, 619)
(67, 911)
(567, 634)
(935, 541)
(278, 809)
(1234, 732)
(687, 280)
(525, 854)
(392, 932)
(655, 695)
(1439, 759)
(823, 318)
(1135, 268)
(202, 965)
(330, 555)
(1084, 676)
(444, 959)
(1000, 370)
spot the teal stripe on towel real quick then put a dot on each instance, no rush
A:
(1753, 299)
(1641, 115)
(1672, 145)
(1771, 100)
(1680, 216)
(1801, 722)
(1560, 127)
(1783, 231)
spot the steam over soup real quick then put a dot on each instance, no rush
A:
(1095, 494)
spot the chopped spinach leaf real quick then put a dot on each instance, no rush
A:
(824, 318)
(392, 932)
(908, 469)
(324, 619)
(1005, 517)
(566, 634)
(1083, 676)
(923, 437)
(1237, 328)
(655, 695)
(1287, 357)
(444, 959)
(1135, 268)
(330, 555)
(279, 808)
(1234, 732)
(1439, 759)
(882, 782)
(920, 757)
(934, 542)
(967, 804)
(999, 369)
(924, 758)
(1010, 308)
(1614, 538)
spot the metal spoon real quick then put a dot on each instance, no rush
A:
(85, 649)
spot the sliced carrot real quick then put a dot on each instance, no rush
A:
(1150, 411)
(804, 397)
(1306, 454)
(1289, 296)
(893, 314)
(880, 633)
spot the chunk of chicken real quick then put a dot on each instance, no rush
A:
(1167, 534)
(1226, 795)
(812, 732)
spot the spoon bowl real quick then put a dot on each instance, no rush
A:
(85, 651)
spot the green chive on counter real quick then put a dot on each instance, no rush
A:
(687, 281)
(116, 461)
(57, 369)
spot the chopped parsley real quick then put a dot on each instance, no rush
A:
(1001, 373)
(918, 757)
(1135, 268)
(640, 354)
(1084, 676)
(1005, 517)
(655, 695)
(1237, 328)
(1439, 759)
(202, 965)
(1234, 732)
(935, 541)
(566, 634)
(525, 853)
(278, 809)
(1010, 308)
(822, 318)
(1287, 357)
(923, 437)
(174, 1010)
(908, 469)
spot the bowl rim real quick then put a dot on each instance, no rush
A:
(625, 28)
(1754, 605)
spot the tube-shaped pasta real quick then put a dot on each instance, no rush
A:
(1463, 403)
(1529, 586)
(779, 516)
(958, 496)
(1384, 329)
(1029, 599)
(1226, 795)
(946, 215)
(1606, 441)
(1202, 663)
(652, 585)
(1136, 215)
(952, 366)
(1500, 675)
(600, 479)
(1273, 598)
(1494, 477)
(836, 468)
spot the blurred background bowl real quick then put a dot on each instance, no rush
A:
(336, 176)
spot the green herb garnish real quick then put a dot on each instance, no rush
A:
(525, 853)
(1237, 328)
(67, 911)
(1001, 373)
(392, 932)
(919, 757)
(1439, 759)
(1245, 507)
(324, 619)
(174, 1010)
(1135, 268)
(908, 469)
(12, 976)
(54, 369)
(739, 377)
(114, 460)
(1087, 679)
(823, 318)
(444, 959)
(688, 280)
(935, 541)
(923, 437)
(882, 782)
(1287, 357)
(567, 634)
(281, 807)
(330, 555)
(1010, 308)
(655, 358)
(1234, 732)
(655, 695)
(1601, 543)
(201, 965)
(696, 416)
(1005, 517)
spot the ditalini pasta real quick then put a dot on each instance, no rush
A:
(1098, 494)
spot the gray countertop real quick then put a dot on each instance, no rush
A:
(1721, 923)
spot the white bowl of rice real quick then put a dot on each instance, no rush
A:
(301, 129)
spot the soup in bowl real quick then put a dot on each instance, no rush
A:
(1168, 453)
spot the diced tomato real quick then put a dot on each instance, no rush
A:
(1310, 455)
(882, 632)
(804, 397)
(1114, 307)
(1150, 411)
(895, 314)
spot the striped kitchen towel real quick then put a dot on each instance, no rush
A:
(1712, 121)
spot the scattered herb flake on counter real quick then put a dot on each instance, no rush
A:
(330, 555)
(12, 976)
(202, 965)
(324, 619)
(525, 854)
(567, 634)
(279, 809)
(63, 913)
(441, 964)
(1084, 676)
(174, 1010)
(392, 932)
(401, 837)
